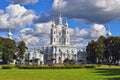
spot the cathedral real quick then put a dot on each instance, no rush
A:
(59, 48)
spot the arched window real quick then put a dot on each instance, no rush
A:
(59, 50)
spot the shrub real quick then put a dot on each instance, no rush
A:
(89, 66)
(7, 67)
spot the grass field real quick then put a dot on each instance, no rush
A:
(102, 73)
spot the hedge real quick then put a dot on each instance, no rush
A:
(56, 67)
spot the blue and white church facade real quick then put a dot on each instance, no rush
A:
(59, 48)
(34, 57)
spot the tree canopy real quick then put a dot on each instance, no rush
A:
(8, 49)
(22, 48)
(104, 50)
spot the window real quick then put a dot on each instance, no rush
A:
(54, 39)
(59, 39)
(67, 32)
(54, 32)
(72, 52)
(67, 51)
(60, 33)
(59, 50)
(67, 39)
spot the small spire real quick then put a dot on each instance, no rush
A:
(60, 18)
(108, 32)
(66, 24)
(60, 13)
(53, 22)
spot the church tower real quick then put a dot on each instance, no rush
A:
(53, 33)
(59, 33)
(10, 34)
(67, 34)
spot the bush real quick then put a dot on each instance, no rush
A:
(7, 67)
(89, 66)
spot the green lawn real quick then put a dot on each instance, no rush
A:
(103, 73)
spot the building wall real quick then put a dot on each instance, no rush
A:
(60, 53)
(34, 54)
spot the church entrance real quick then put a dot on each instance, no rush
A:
(59, 60)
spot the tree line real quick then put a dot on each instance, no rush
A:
(104, 50)
(9, 51)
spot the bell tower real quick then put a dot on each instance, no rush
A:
(60, 34)
(53, 33)
(67, 34)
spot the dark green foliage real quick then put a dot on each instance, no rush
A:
(89, 66)
(8, 50)
(95, 50)
(22, 48)
(104, 50)
(1, 43)
(7, 67)
(69, 61)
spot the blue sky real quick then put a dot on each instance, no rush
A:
(88, 19)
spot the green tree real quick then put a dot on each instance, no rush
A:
(91, 52)
(110, 46)
(113, 48)
(104, 49)
(1, 43)
(8, 50)
(95, 50)
(22, 48)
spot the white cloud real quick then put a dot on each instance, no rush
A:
(94, 11)
(30, 40)
(94, 31)
(35, 38)
(16, 17)
(80, 37)
(43, 28)
(97, 30)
